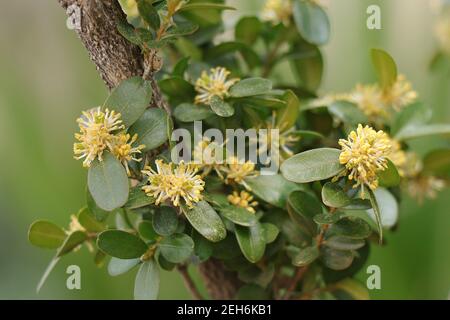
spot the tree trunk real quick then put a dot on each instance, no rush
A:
(116, 60)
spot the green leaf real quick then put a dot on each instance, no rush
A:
(181, 29)
(248, 30)
(327, 218)
(252, 241)
(151, 128)
(437, 163)
(148, 13)
(287, 116)
(138, 199)
(278, 192)
(238, 215)
(146, 284)
(166, 265)
(347, 112)
(305, 206)
(165, 221)
(206, 221)
(307, 62)
(312, 165)
(377, 213)
(45, 234)
(419, 131)
(352, 288)
(305, 256)
(358, 204)
(350, 227)
(180, 68)
(128, 32)
(385, 67)
(227, 48)
(177, 248)
(388, 208)
(250, 87)
(344, 243)
(108, 183)
(121, 244)
(188, 112)
(220, 107)
(389, 177)
(131, 97)
(177, 87)
(336, 259)
(411, 116)
(252, 292)
(203, 248)
(118, 266)
(311, 22)
(88, 221)
(205, 5)
(98, 213)
(147, 231)
(271, 232)
(334, 196)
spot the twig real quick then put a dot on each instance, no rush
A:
(298, 276)
(189, 282)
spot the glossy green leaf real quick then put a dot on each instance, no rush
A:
(287, 116)
(151, 128)
(188, 112)
(358, 204)
(250, 87)
(305, 256)
(350, 227)
(118, 266)
(147, 231)
(278, 192)
(88, 221)
(271, 232)
(121, 244)
(99, 214)
(347, 112)
(248, 29)
(336, 259)
(334, 196)
(385, 67)
(305, 207)
(177, 87)
(177, 248)
(148, 13)
(146, 285)
(108, 183)
(312, 165)
(344, 243)
(311, 22)
(180, 68)
(388, 207)
(181, 29)
(327, 218)
(165, 221)
(203, 249)
(138, 199)
(130, 98)
(307, 62)
(238, 215)
(376, 212)
(220, 107)
(252, 241)
(389, 177)
(45, 234)
(206, 221)
(413, 132)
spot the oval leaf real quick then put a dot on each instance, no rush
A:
(206, 221)
(118, 266)
(238, 215)
(385, 67)
(305, 256)
(252, 241)
(45, 234)
(146, 284)
(220, 107)
(312, 22)
(177, 248)
(188, 112)
(165, 221)
(151, 128)
(250, 87)
(334, 196)
(121, 244)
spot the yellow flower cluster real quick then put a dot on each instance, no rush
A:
(243, 200)
(100, 131)
(237, 170)
(174, 183)
(277, 11)
(364, 154)
(214, 83)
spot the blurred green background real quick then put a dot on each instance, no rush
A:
(46, 79)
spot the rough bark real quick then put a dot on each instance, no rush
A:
(116, 60)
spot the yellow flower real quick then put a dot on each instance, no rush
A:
(243, 200)
(207, 156)
(96, 127)
(369, 100)
(328, 99)
(400, 94)
(277, 11)
(422, 187)
(236, 171)
(122, 148)
(364, 154)
(174, 184)
(214, 83)
(75, 224)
